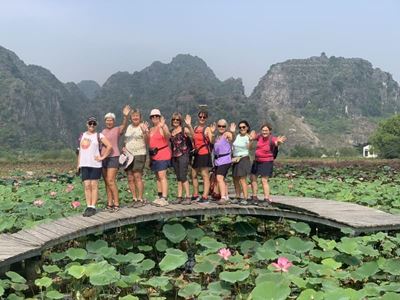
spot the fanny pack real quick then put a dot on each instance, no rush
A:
(221, 155)
(154, 151)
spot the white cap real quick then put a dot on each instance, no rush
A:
(155, 112)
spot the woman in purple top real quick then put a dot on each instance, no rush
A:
(222, 157)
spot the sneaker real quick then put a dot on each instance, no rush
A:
(243, 202)
(222, 201)
(235, 200)
(195, 198)
(203, 201)
(177, 201)
(186, 201)
(254, 198)
(86, 212)
(263, 203)
(160, 202)
(91, 211)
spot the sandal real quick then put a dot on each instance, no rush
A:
(116, 208)
(264, 203)
(177, 200)
(186, 201)
(109, 208)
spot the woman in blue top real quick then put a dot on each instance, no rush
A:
(241, 162)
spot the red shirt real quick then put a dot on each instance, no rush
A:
(263, 149)
(159, 141)
(198, 139)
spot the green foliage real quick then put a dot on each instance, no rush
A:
(386, 138)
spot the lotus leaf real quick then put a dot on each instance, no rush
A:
(54, 295)
(105, 278)
(370, 290)
(248, 246)
(323, 254)
(76, 253)
(331, 263)
(266, 253)
(342, 294)
(311, 294)
(221, 288)
(206, 295)
(275, 277)
(43, 282)
(298, 245)
(135, 258)
(233, 277)
(348, 246)
(195, 234)
(128, 297)
(173, 259)
(270, 290)
(76, 271)
(301, 227)
(245, 229)
(390, 296)
(190, 291)
(204, 267)
(15, 277)
(161, 245)
(51, 268)
(325, 245)
(175, 233)
(145, 248)
(211, 244)
(366, 270)
(159, 281)
(391, 266)
(54, 256)
(390, 287)
(15, 297)
(1, 291)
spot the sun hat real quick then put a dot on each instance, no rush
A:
(126, 159)
(155, 112)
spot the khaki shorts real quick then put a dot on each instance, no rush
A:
(138, 163)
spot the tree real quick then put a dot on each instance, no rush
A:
(386, 138)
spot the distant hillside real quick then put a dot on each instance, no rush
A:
(329, 102)
(177, 86)
(89, 88)
(36, 110)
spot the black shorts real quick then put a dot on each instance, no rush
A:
(111, 162)
(222, 169)
(242, 168)
(88, 173)
(181, 165)
(264, 169)
(202, 161)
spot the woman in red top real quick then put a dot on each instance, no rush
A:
(264, 162)
(160, 154)
(202, 136)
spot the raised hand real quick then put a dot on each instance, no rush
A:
(213, 127)
(232, 127)
(188, 120)
(126, 110)
(281, 139)
(253, 135)
(162, 122)
(144, 126)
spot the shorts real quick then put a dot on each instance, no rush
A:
(88, 173)
(111, 162)
(181, 165)
(160, 165)
(138, 163)
(222, 169)
(263, 169)
(202, 161)
(242, 168)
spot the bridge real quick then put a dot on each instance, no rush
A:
(29, 243)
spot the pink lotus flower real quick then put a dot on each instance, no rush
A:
(53, 194)
(38, 202)
(75, 204)
(69, 188)
(224, 253)
(282, 265)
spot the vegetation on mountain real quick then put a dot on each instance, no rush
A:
(89, 88)
(386, 138)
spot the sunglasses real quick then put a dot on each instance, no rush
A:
(176, 120)
(202, 117)
(155, 116)
(242, 127)
(221, 126)
(92, 123)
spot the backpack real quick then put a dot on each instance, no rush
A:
(79, 143)
(273, 147)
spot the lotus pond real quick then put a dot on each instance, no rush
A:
(209, 258)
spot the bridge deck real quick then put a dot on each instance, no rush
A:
(31, 242)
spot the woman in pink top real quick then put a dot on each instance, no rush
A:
(160, 154)
(111, 163)
(264, 162)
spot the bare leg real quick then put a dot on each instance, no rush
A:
(237, 186)
(131, 183)
(195, 182)
(254, 187)
(221, 185)
(179, 189)
(112, 186)
(94, 186)
(108, 190)
(206, 181)
(186, 188)
(163, 182)
(88, 191)
(243, 184)
(265, 185)
(139, 184)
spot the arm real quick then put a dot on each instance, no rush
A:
(280, 140)
(210, 131)
(232, 129)
(108, 147)
(126, 110)
(164, 129)
(252, 138)
(188, 122)
(229, 136)
(146, 132)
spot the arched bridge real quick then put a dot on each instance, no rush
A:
(31, 242)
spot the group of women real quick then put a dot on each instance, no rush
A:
(199, 149)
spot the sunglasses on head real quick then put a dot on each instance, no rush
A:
(221, 126)
(92, 123)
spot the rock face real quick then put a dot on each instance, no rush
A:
(89, 88)
(328, 102)
(180, 85)
(37, 111)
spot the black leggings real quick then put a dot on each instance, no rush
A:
(181, 165)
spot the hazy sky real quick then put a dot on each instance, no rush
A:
(79, 40)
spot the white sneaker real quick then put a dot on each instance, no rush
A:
(160, 202)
